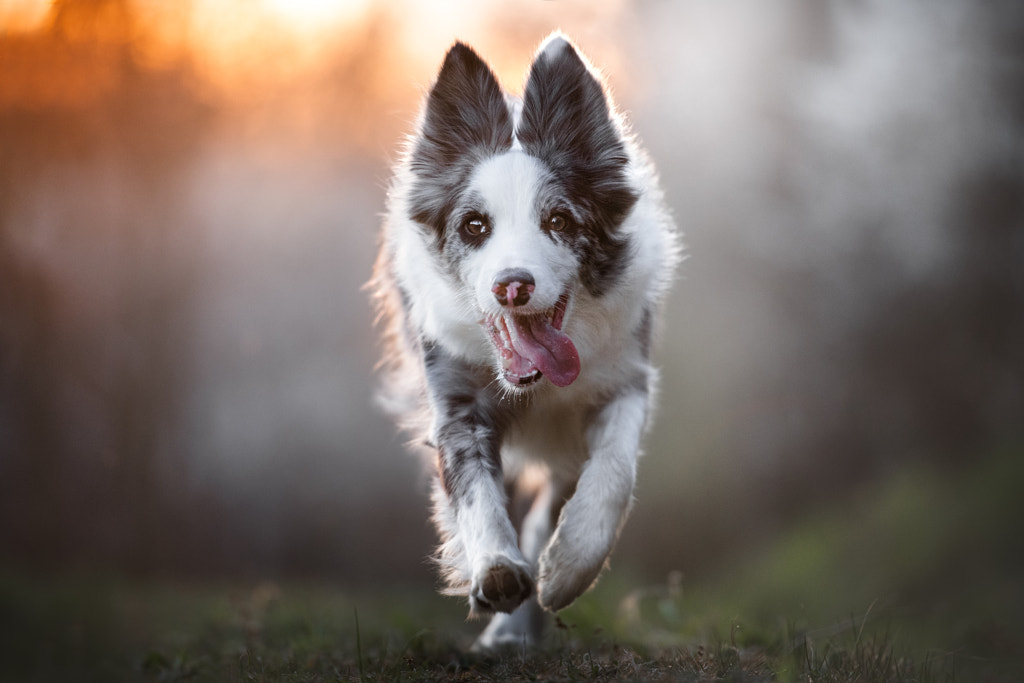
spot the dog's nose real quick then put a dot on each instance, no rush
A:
(513, 287)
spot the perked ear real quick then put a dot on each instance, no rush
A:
(565, 109)
(465, 120)
(567, 123)
(465, 111)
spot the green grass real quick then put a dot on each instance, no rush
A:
(921, 580)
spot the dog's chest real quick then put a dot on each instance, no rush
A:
(551, 434)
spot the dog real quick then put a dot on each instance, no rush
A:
(525, 251)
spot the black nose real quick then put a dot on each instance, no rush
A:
(513, 287)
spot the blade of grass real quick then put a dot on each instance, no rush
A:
(359, 646)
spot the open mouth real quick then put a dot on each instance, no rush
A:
(533, 346)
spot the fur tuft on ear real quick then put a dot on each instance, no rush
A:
(465, 119)
(554, 45)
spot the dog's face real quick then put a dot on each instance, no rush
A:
(523, 203)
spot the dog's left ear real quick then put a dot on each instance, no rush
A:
(566, 110)
(567, 123)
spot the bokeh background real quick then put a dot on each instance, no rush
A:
(190, 192)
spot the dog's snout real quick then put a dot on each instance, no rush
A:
(513, 287)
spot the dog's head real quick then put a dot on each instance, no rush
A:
(523, 201)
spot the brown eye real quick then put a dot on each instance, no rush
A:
(558, 222)
(475, 226)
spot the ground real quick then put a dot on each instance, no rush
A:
(919, 581)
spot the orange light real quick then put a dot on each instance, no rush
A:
(311, 16)
(18, 16)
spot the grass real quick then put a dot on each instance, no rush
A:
(920, 581)
(306, 633)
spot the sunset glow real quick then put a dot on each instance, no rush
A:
(23, 15)
(311, 16)
(241, 52)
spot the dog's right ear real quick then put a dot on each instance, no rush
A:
(466, 108)
(465, 119)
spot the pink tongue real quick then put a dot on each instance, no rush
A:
(549, 349)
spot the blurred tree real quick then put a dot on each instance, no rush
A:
(98, 276)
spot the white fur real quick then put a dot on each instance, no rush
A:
(509, 185)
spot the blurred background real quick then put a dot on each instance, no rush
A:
(189, 198)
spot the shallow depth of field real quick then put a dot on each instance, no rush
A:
(195, 483)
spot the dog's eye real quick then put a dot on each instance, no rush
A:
(475, 226)
(558, 222)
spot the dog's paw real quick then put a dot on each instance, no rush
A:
(523, 628)
(565, 574)
(500, 585)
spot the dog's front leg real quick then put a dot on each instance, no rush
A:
(480, 551)
(590, 521)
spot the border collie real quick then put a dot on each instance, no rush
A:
(525, 250)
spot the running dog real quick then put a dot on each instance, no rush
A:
(525, 251)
